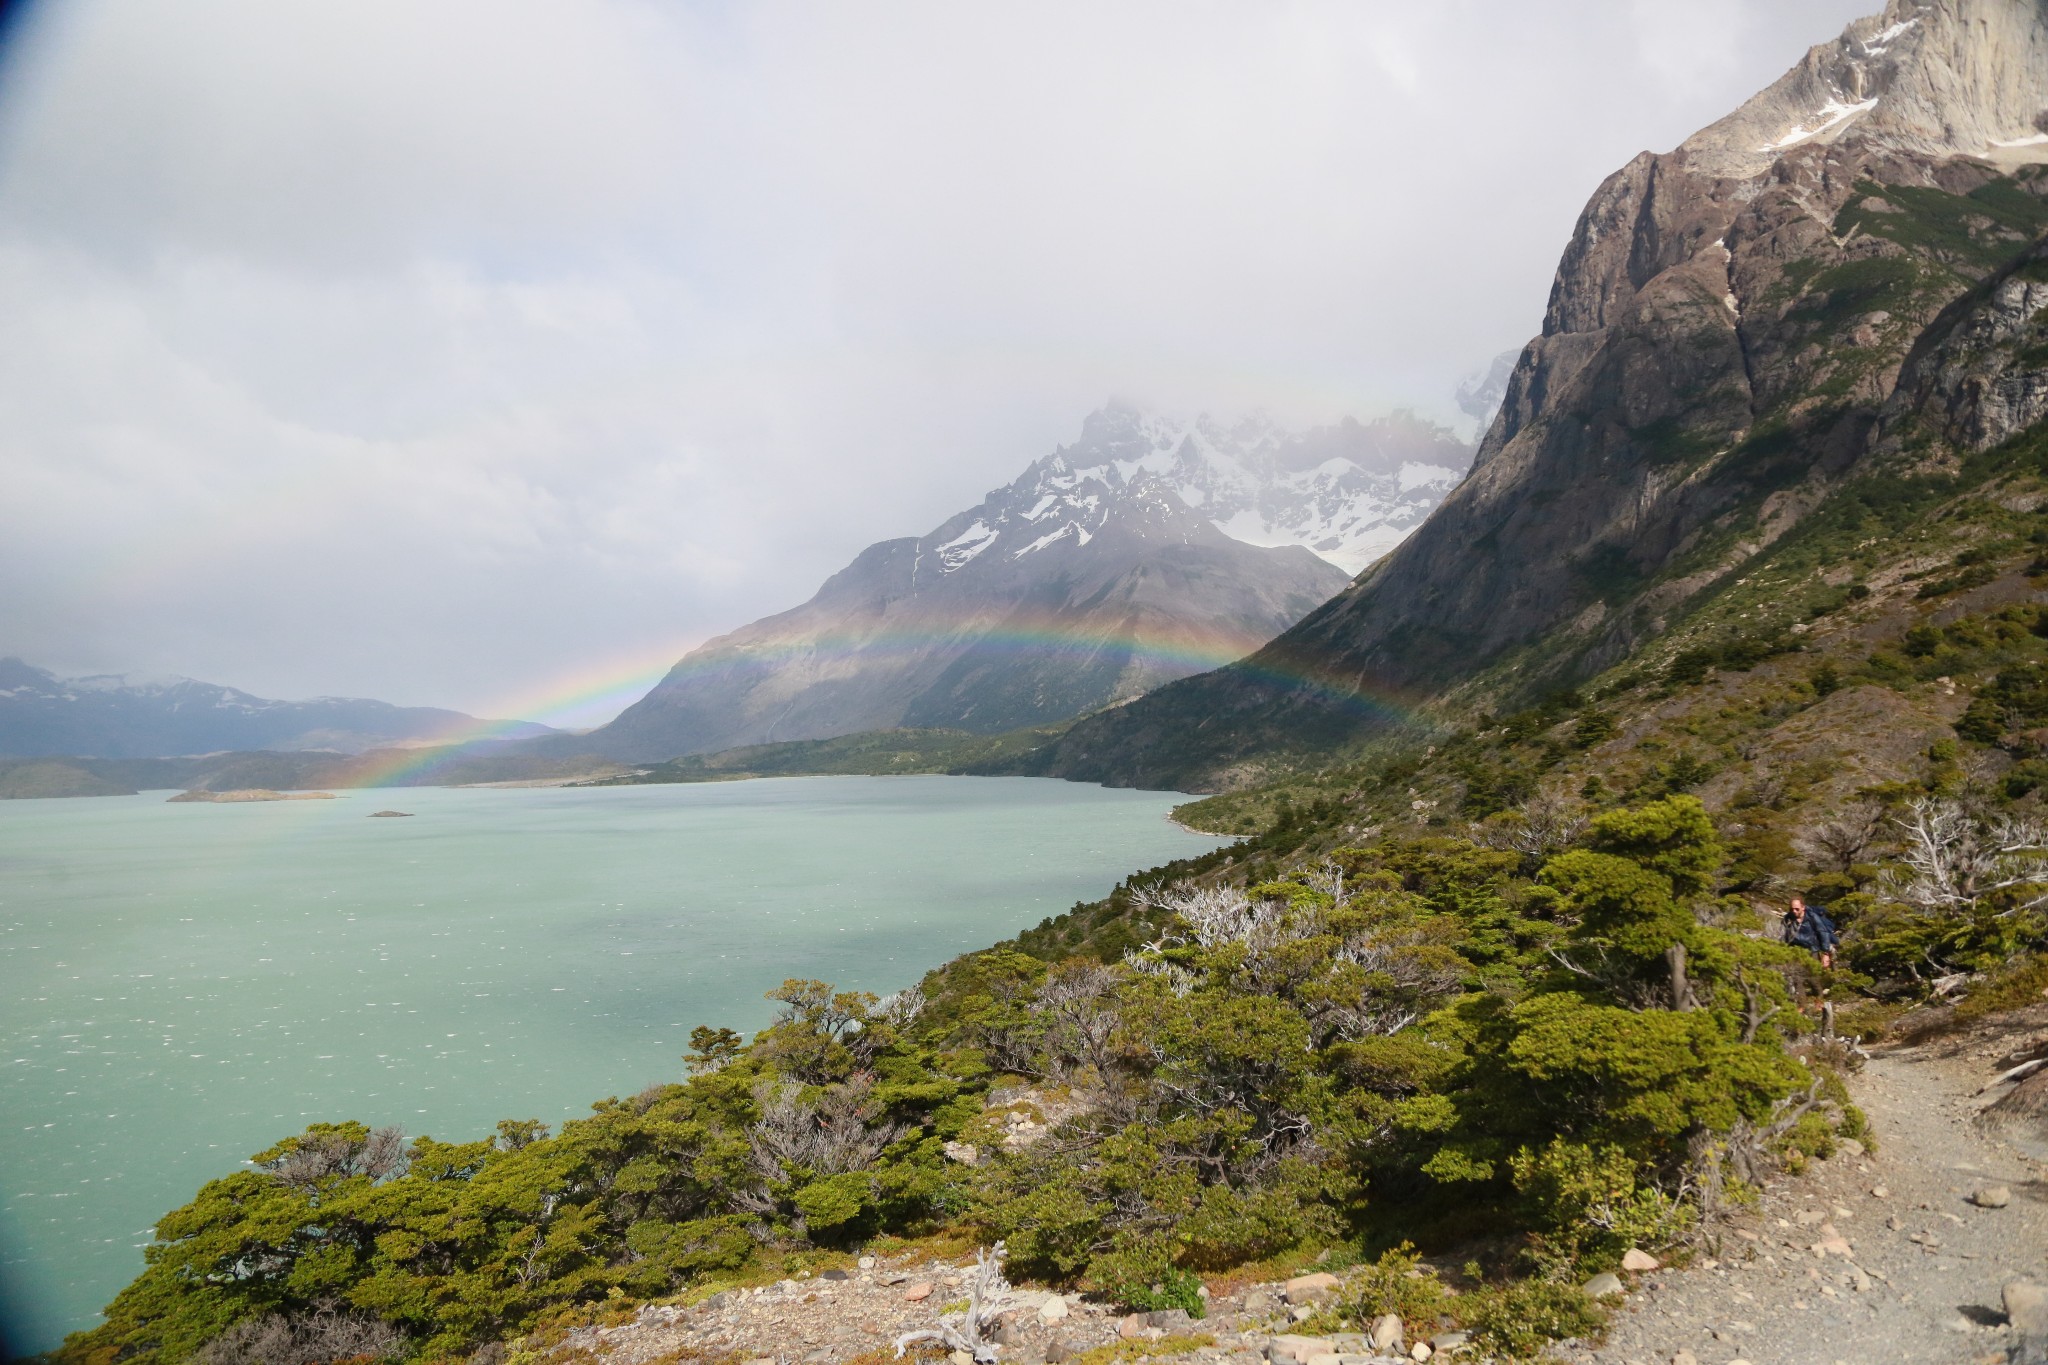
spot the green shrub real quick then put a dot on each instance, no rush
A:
(1396, 1283)
(1520, 1320)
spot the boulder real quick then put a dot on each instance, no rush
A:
(1450, 1341)
(1604, 1285)
(1134, 1326)
(1169, 1319)
(1310, 1288)
(1054, 1309)
(918, 1292)
(1992, 1197)
(1289, 1349)
(1636, 1260)
(1387, 1336)
(2026, 1307)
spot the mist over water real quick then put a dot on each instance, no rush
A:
(182, 985)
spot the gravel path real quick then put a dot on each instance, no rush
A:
(1868, 1259)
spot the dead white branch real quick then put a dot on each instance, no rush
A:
(988, 1294)
(1956, 860)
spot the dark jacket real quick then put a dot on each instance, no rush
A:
(1813, 931)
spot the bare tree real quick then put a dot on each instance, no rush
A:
(1957, 859)
(971, 1329)
(1078, 1004)
(1408, 968)
(324, 1333)
(1546, 823)
(900, 1009)
(1328, 878)
(832, 1135)
(1839, 842)
(381, 1153)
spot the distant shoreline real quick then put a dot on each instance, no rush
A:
(249, 794)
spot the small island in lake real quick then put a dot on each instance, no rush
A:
(391, 814)
(252, 794)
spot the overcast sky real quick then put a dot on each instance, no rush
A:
(490, 353)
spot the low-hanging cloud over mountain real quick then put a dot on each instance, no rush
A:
(489, 354)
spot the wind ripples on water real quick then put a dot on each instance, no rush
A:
(185, 984)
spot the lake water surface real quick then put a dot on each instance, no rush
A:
(181, 985)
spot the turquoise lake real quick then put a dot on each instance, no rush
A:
(185, 984)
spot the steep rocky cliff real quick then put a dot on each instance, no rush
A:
(1723, 346)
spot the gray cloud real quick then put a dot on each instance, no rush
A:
(463, 352)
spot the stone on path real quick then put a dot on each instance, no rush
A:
(1054, 1309)
(918, 1292)
(1831, 1243)
(1992, 1197)
(2026, 1307)
(1603, 1285)
(1684, 1357)
(1638, 1260)
(1134, 1326)
(866, 1263)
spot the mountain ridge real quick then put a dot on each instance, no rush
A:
(1099, 573)
(129, 715)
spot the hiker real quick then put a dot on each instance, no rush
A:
(1812, 930)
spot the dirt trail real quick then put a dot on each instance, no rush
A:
(1908, 1268)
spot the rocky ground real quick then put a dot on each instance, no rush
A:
(1898, 1254)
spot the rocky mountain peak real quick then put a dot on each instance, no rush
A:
(1350, 491)
(1933, 78)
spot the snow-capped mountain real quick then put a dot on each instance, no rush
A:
(1101, 572)
(1349, 492)
(133, 715)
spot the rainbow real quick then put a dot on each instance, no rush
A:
(1163, 650)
